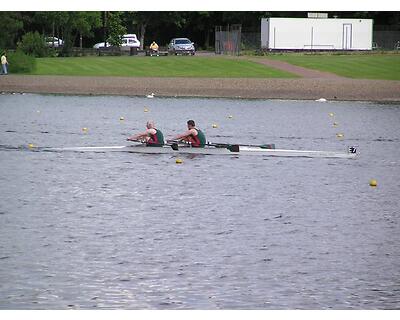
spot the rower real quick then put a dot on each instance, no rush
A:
(193, 136)
(152, 136)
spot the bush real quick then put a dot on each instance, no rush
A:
(20, 62)
(33, 44)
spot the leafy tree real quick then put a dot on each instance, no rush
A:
(10, 24)
(116, 29)
(85, 22)
(33, 44)
(47, 21)
(201, 26)
(73, 23)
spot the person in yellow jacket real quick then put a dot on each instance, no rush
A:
(154, 48)
(4, 63)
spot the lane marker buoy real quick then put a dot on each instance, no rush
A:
(373, 183)
(178, 161)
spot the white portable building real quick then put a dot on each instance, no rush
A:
(316, 34)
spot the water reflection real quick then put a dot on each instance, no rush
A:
(117, 230)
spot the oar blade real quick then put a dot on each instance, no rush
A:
(233, 148)
(268, 146)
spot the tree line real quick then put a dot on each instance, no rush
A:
(83, 29)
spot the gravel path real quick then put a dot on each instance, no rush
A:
(309, 88)
(300, 71)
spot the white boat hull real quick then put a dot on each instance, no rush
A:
(243, 150)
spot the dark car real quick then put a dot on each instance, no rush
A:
(181, 46)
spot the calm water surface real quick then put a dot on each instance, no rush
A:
(116, 230)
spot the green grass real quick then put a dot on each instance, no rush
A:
(358, 66)
(182, 66)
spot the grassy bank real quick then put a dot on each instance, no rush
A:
(376, 66)
(182, 66)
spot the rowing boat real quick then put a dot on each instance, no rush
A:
(212, 150)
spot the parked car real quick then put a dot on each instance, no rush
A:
(181, 46)
(50, 41)
(128, 41)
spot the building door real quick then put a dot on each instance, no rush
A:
(347, 36)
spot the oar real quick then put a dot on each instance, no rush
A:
(173, 144)
(135, 140)
(231, 147)
(227, 145)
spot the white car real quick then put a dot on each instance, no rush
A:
(128, 41)
(50, 41)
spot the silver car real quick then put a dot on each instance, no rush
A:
(181, 46)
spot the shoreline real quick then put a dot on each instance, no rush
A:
(333, 89)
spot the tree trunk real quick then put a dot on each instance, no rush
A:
(68, 40)
(53, 32)
(105, 28)
(142, 32)
(207, 41)
(80, 40)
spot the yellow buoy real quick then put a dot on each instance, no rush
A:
(331, 114)
(146, 110)
(335, 124)
(85, 129)
(230, 116)
(215, 125)
(373, 183)
(179, 161)
(31, 145)
(339, 135)
(121, 118)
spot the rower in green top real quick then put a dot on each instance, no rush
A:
(194, 136)
(152, 137)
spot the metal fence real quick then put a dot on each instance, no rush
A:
(250, 41)
(386, 40)
(227, 39)
(382, 40)
(105, 51)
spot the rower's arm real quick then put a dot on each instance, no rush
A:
(138, 136)
(183, 135)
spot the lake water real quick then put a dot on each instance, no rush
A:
(117, 230)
